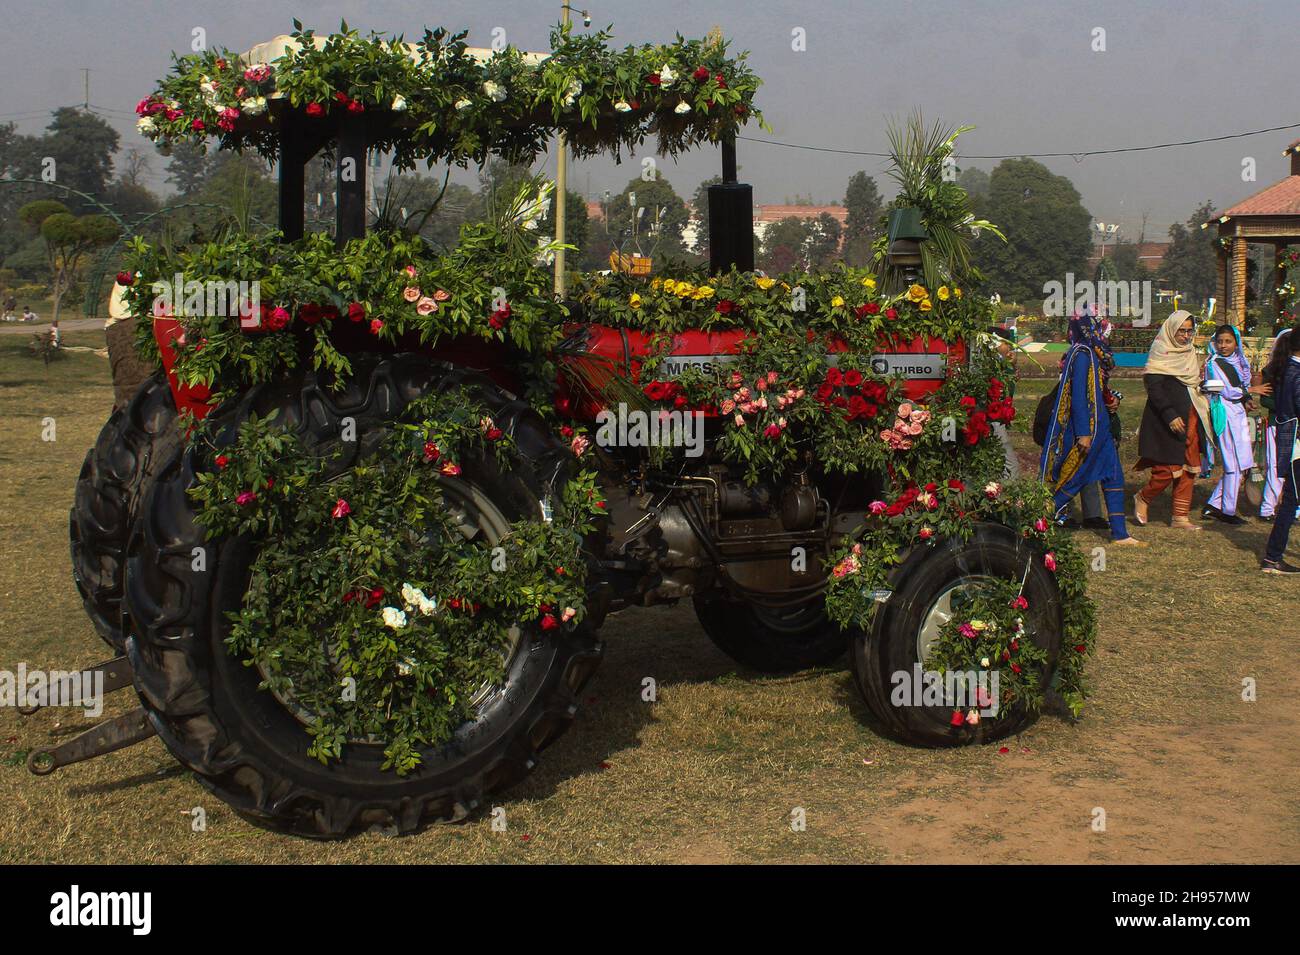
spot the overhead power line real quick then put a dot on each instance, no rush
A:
(1076, 156)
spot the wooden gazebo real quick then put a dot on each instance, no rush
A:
(1269, 217)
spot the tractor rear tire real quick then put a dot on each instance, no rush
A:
(893, 644)
(771, 641)
(243, 743)
(113, 478)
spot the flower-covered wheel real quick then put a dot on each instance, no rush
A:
(969, 627)
(113, 478)
(340, 653)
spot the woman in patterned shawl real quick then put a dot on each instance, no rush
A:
(1079, 448)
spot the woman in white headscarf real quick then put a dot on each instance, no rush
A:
(1171, 438)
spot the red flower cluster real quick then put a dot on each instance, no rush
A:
(500, 317)
(858, 399)
(666, 391)
(372, 598)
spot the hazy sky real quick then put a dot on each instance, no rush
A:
(1022, 71)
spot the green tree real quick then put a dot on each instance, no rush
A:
(67, 240)
(82, 147)
(576, 226)
(660, 217)
(1190, 266)
(864, 205)
(975, 182)
(800, 242)
(188, 167)
(1046, 226)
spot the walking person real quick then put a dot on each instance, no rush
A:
(1171, 437)
(1272, 483)
(1283, 373)
(1228, 372)
(1078, 449)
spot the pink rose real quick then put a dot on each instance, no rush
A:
(411, 293)
(926, 533)
(410, 270)
(426, 306)
(449, 469)
(878, 507)
(740, 420)
(245, 497)
(341, 509)
(1049, 561)
(1040, 525)
(579, 445)
(771, 378)
(728, 406)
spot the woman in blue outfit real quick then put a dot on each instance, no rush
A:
(1079, 448)
(1283, 373)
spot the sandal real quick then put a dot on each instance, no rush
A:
(1130, 542)
(1184, 524)
(1140, 509)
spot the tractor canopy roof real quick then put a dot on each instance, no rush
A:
(439, 100)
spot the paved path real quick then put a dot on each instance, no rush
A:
(65, 325)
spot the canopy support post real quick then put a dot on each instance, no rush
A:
(731, 218)
(350, 208)
(293, 177)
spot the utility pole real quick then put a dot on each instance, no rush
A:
(561, 185)
(85, 73)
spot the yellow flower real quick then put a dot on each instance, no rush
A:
(837, 301)
(956, 291)
(684, 289)
(786, 286)
(869, 282)
(978, 625)
(926, 305)
(634, 300)
(764, 283)
(943, 293)
(656, 283)
(917, 292)
(669, 285)
(704, 291)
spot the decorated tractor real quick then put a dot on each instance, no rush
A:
(355, 537)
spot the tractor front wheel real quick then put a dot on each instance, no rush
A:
(771, 641)
(929, 589)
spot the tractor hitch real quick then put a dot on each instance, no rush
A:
(110, 735)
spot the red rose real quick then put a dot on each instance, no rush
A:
(431, 452)
(376, 326)
(857, 407)
(499, 318)
(454, 603)
(656, 390)
(125, 278)
(356, 106)
(566, 432)
(1015, 668)
(356, 312)
(279, 319)
(834, 377)
(872, 308)
(957, 718)
(494, 434)
(342, 97)
(549, 622)
(968, 402)
(701, 74)
(853, 378)
(309, 314)
(1080, 648)
(824, 392)
(315, 109)
(680, 401)
(374, 597)
(840, 402)
(222, 461)
(931, 487)
(740, 109)
(893, 510)
(563, 406)
(956, 485)
(725, 306)
(891, 313)
(717, 78)
(654, 79)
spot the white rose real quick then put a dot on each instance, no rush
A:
(428, 605)
(254, 105)
(682, 107)
(666, 76)
(145, 126)
(984, 661)
(622, 107)
(463, 104)
(411, 596)
(399, 104)
(571, 94)
(394, 618)
(494, 91)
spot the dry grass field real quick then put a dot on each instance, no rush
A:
(1184, 769)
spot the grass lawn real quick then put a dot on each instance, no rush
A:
(1183, 768)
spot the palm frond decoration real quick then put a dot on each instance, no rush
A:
(920, 156)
